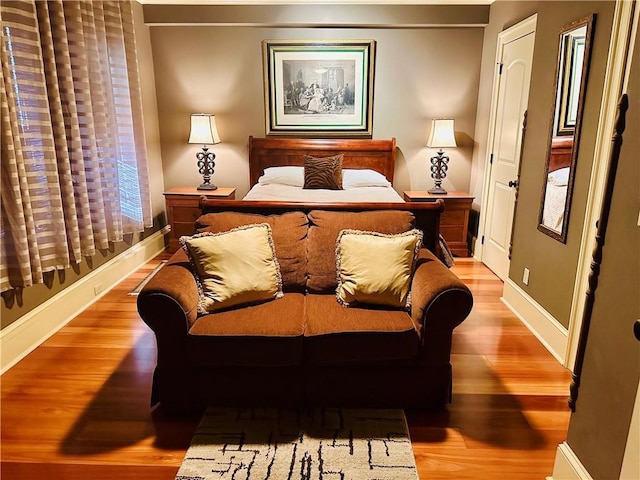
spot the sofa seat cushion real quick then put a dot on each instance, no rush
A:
(335, 335)
(289, 232)
(269, 334)
(324, 227)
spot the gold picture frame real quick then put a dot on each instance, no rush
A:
(319, 88)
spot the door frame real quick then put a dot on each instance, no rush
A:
(522, 28)
(626, 21)
(625, 24)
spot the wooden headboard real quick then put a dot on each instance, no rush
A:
(378, 155)
(561, 151)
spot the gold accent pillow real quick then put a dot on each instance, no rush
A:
(376, 268)
(235, 267)
(323, 172)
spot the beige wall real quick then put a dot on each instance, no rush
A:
(150, 112)
(502, 16)
(319, 15)
(15, 303)
(599, 427)
(421, 73)
(553, 264)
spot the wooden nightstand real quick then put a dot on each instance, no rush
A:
(183, 209)
(454, 221)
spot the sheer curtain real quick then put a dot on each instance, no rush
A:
(74, 166)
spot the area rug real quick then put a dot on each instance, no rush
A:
(136, 290)
(312, 444)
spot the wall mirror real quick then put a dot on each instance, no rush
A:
(571, 79)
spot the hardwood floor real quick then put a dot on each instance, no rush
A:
(77, 407)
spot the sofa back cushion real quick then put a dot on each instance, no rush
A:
(289, 232)
(324, 227)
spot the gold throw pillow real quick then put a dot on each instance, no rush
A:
(323, 172)
(235, 267)
(375, 268)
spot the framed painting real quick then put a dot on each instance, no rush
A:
(319, 88)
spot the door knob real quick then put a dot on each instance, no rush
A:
(513, 183)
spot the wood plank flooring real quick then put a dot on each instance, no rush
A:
(77, 407)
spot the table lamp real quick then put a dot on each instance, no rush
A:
(204, 132)
(442, 135)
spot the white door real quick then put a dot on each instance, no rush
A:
(511, 87)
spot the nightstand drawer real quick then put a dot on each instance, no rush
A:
(452, 217)
(453, 233)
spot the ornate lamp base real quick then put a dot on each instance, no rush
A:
(206, 164)
(437, 190)
(439, 172)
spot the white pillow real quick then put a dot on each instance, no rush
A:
(294, 176)
(363, 178)
(288, 175)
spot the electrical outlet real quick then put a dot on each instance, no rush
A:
(525, 276)
(97, 289)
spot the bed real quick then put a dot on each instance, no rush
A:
(558, 177)
(277, 174)
(365, 161)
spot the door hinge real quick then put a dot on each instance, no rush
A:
(482, 240)
(500, 69)
(491, 159)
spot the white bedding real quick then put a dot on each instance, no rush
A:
(292, 193)
(285, 184)
(555, 199)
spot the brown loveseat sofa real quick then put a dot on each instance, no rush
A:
(305, 347)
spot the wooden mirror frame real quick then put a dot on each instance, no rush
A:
(563, 143)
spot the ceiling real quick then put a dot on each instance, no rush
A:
(316, 2)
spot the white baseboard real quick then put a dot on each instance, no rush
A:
(24, 335)
(567, 466)
(541, 323)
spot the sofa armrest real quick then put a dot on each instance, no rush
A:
(440, 301)
(168, 305)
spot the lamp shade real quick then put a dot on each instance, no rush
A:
(203, 129)
(442, 133)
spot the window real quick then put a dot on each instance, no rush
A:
(74, 166)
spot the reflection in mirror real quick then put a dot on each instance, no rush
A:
(572, 59)
(571, 79)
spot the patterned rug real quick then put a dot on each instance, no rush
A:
(314, 444)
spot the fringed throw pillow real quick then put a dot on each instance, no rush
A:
(235, 267)
(375, 268)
